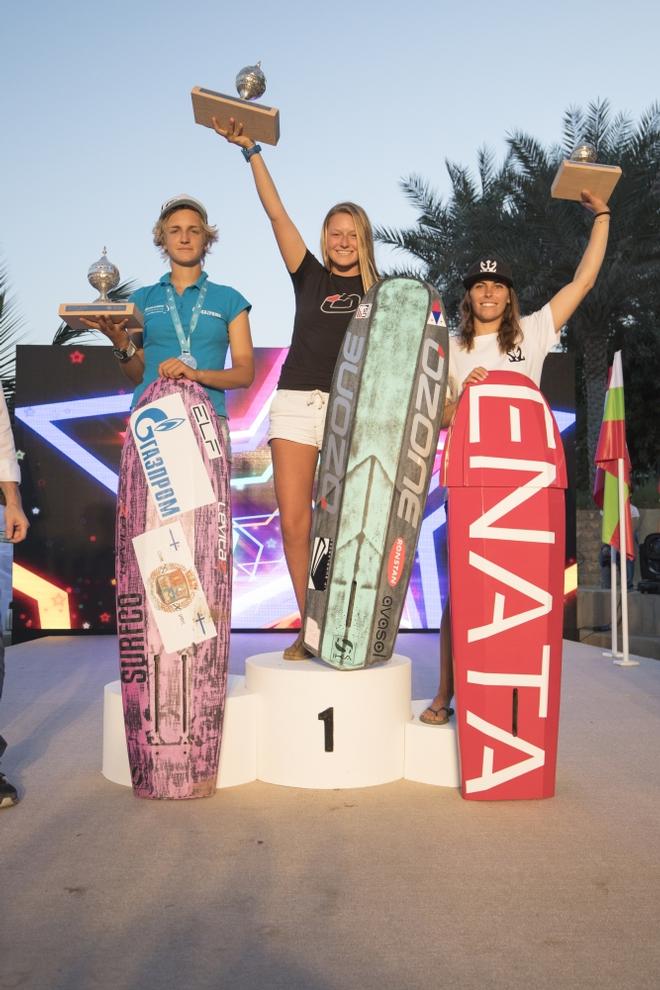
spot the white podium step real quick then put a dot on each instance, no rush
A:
(305, 724)
(431, 751)
(321, 727)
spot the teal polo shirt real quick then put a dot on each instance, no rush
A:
(209, 342)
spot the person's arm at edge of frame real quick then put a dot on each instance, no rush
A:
(567, 300)
(289, 241)
(16, 522)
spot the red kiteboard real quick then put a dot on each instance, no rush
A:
(505, 471)
(173, 569)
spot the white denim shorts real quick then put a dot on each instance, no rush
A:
(298, 416)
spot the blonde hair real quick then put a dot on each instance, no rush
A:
(510, 331)
(210, 233)
(365, 241)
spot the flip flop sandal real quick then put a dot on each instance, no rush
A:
(297, 651)
(436, 711)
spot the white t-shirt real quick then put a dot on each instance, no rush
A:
(526, 357)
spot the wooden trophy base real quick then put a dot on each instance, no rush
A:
(573, 177)
(74, 313)
(261, 123)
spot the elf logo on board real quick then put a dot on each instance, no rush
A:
(395, 562)
(536, 473)
(206, 429)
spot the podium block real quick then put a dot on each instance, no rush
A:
(431, 755)
(324, 728)
(305, 724)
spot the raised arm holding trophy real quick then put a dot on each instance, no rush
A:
(327, 292)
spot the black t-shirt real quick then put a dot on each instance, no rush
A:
(324, 306)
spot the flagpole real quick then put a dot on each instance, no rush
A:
(614, 623)
(626, 662)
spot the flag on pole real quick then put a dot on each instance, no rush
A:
(612, 448)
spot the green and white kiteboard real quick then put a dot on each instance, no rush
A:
(379, 445)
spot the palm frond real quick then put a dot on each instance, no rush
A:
(507, 209)
(11, 333)
(573, 125)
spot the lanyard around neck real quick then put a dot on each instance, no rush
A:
(184, 341)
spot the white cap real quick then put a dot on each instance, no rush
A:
(180, 202)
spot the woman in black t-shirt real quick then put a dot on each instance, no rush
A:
(326, 297)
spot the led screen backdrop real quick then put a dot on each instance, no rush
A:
(72, 406)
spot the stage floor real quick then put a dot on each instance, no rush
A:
(401, 885)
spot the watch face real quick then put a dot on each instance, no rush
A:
(125, 355)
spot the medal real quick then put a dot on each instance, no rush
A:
(184, 341)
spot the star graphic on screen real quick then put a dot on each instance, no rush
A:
(35, 510)
(76, 357)
(105, 617)
(20, 455)
(86, 625)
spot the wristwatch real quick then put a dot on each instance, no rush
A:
(124, 356)
(248, 152)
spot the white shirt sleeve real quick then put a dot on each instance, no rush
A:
(541, 327)
(9, 469)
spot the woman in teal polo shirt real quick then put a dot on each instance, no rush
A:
(189, 321)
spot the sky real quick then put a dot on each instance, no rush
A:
(98, 128)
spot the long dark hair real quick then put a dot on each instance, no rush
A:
(510, 331)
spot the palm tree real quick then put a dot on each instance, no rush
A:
(508, 210)
(11, 326)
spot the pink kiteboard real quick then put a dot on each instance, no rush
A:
(505, 471)
(173, 571)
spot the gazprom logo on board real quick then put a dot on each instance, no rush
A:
(147, 425)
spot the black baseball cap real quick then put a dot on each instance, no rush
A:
(489, 268)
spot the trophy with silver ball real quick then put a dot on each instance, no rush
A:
(104, 277)
(581, 171)
(261, 122)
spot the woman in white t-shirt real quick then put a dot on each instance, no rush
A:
(494, 337)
